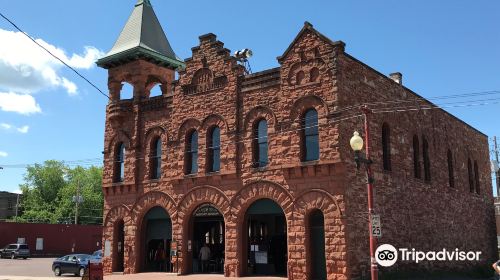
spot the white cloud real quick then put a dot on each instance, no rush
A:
(9, 127)
(26, 68)
(19, 103)
(3, 154)
(24, 129)
(5, 126)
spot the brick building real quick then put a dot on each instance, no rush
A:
(259, 167)
(9, 204)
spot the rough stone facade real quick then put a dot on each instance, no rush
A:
(427, 215)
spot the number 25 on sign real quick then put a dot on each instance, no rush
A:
(376, 227)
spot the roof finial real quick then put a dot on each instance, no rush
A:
(140, 2)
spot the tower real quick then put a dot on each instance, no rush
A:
(141, 56)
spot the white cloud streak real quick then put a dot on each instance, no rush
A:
(9, 127)
(3, 154)
(26, 69)
(24, 129)
(24, 104)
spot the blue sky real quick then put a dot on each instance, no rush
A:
(47, 112)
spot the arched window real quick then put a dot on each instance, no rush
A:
(471, 175)
(119, 163)
(451, 177)
(300, 77)
(386, 146)
(213, 144)
(260, 143)
(155, 159)
(416, 157)
(192, 153)
(427, 162)
(310, 136)
(476, 176)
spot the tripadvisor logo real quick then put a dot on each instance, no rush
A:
(387, 255)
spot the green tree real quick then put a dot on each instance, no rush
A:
(49, 190)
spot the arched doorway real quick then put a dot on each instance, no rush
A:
(156, 236)
(207, 230)
(118, 246)
(265, 239)
(316, 242)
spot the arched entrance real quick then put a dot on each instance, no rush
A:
(265, 239)
(317, 257)
(118, 246)
(207, 241)
(156, 236)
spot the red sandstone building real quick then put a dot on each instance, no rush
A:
(259, 167)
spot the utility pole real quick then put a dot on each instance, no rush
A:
(77, 199)
(17, 207)
(497, 172)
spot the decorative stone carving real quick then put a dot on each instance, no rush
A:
(203, 81)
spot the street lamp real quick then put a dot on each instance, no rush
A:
(356, 143)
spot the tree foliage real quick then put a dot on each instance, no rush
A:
(49, 190)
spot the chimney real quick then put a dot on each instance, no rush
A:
(397, 77)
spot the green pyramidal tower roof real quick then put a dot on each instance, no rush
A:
(142, 37)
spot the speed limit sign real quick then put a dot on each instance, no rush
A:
(376, 227)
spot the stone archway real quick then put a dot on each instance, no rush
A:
(137, 229)
(237, 238)
(113, 234)
(331, 207)
(187, 206)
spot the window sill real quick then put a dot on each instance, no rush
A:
(259, 169)
(309, 162)
(212, 173)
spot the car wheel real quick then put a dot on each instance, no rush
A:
(25, 258)
(81, 271)
(12, 256)
(57, 271)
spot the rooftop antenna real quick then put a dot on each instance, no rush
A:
(242, 57)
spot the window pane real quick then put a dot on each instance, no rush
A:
(192, 153)
(311, 122)
(194, 162)
(216, 137)
(263, 154)
(312, 147)
(216, 160)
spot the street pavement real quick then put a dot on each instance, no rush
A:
(41, 269)
(29, 269)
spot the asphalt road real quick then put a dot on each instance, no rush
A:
(28, 269)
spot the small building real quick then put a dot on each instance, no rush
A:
(258, 166)
(52, 240)
(9, 204)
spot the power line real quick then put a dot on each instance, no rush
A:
(54, 56)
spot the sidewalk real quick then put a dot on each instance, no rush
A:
(168, 276)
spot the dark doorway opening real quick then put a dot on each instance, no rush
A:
(157, 236)
(266, 235)
(207, 231)
(317, 245)
(118, 248)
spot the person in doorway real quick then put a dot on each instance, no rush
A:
(160, 257)
(496, 267)
(204, 257)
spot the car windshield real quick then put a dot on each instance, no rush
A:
(83, 258)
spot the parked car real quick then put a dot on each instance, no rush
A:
(97, 255)
(15, 251)
(74, 264)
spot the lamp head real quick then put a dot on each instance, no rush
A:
(356, 142)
